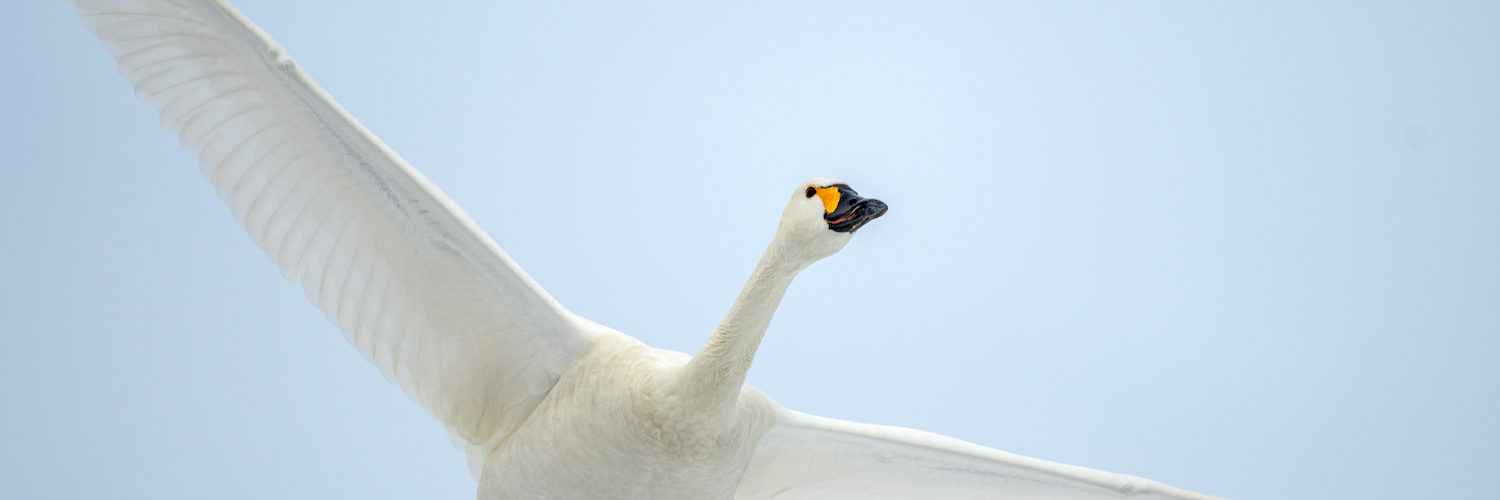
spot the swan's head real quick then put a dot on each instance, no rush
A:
(821, 218)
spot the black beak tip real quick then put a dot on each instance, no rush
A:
(877, 208)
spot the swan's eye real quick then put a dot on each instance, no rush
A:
(811, 191)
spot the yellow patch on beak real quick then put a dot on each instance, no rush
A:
(830, 196)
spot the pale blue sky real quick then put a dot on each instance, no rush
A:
(1248, 250)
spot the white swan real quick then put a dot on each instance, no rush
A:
(545, 403)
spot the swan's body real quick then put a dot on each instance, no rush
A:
(545, 403)
(649, 443)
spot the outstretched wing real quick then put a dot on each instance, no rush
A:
(410, 280)
(805, 456)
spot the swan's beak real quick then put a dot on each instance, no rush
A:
(853, 211)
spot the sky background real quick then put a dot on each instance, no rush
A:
(1250, 250)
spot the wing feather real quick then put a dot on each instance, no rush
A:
(411, 281)
(805, 456)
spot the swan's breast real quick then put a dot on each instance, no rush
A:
(608, 429)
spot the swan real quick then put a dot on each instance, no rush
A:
(545, 404)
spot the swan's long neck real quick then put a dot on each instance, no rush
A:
(715, 375)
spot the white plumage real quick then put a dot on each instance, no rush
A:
(544, 402)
